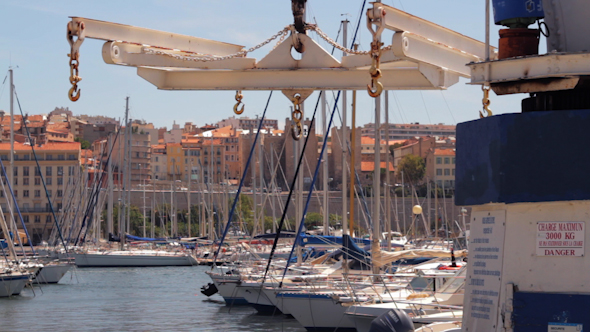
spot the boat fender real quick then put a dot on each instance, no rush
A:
(393, 320)
(209, 289)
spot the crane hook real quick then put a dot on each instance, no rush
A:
(378, 88)
(74, 89)
(486, 103)
(239, 97)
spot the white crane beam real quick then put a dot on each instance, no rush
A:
(408, 76)
(400, 21)
(130, 34)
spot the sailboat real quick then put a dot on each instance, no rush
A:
(125, 256)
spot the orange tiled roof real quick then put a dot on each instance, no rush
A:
(369, 166)
(444, 152)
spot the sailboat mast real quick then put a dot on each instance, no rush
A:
(387, 175)
(188, 197)
(110, 187)
(325, 168)
(11, 171)
(261, 218)
(375, 247)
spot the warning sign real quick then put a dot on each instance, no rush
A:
(560, 238)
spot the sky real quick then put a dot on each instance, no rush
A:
(33, 41)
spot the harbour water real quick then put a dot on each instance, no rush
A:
(132, 299)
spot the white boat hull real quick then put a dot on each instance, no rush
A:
(228, 289)
(52, 274)
(131, 260)
(258, 299)
(317, 312)
(12, 284)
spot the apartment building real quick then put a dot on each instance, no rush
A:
(59, 163)
(245, 123)
(406, 131)
(440, 167)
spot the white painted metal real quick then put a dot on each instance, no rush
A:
(521, 267)
(567, 21)
(423, 56)
(406, 76)
(120, 32)
(565, 67)
(313, 57)
(400, 21)
(410, 46)
(118, 53)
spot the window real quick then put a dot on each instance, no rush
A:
(37, 219)
(37, 171)
(49, 157)
(60, 157)
(453, 172)
(60, 181)
(157, 168)
(71, 170)
(72, 157)
(25, 170)
(48, 218)
(438, 160)
(37, 181)
(15, 181)
(37, 193)
(59, 206)
(156, 158)
(25, 157)
(453, 160)
(48, 193)
(447, 160)
(15, 171)
(16, 193)
(439, 171)
(59, 193)
(25, 181)
(26, 218)
(25, 193)
(48, 181)
(48, 170)
(60, 170)
(447, 171)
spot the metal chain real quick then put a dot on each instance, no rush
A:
(208, 57)
(332, 42)
(297, 116)
(74, 93)
(376, 87)
(281, 35)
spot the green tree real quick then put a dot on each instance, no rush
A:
(313, 219)
(413, 168)
(83, 143)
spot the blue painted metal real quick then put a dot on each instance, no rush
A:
(511, 9)
(525, 157)
(534, 311)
